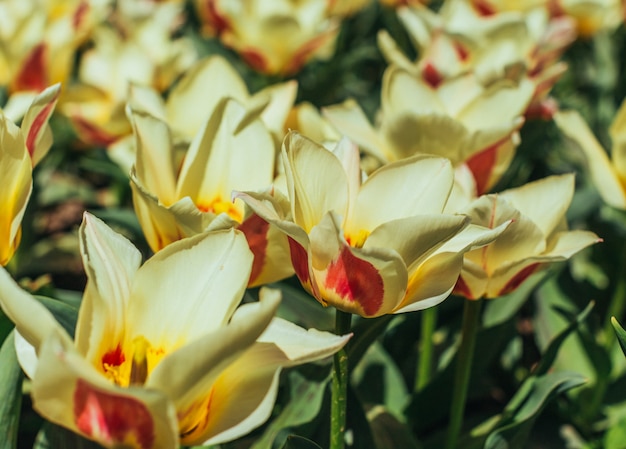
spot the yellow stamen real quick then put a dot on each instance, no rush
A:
(358, 240)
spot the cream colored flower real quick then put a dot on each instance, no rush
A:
(277, 37)
(375, 247)
(536, 237)
(458, 119)
(162, 354)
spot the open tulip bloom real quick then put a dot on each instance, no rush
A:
(537, 236)
(162, 354)
(373, 248)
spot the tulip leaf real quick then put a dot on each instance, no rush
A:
(621, 334)
(305, 402)
(528, 402)
(296, 442)
(64, 313)
(365, 332)
(11, 377)
(388, 431)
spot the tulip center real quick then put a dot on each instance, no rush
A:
(358, 239)
(132, 363)
(218, 206)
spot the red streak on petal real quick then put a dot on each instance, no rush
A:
(300, 261)
(431, 75)
(114, 357)
(255, 229)
(481, 165)
(80, 14)
(91, 134)
(218, 21)
(255, 60)
(462, 289)
(484, 8)
(461, 51)
(32, 76)
(357, 280)
(111, 418)
(520, 277)
(38, 123)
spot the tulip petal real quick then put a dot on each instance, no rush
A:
(189, 376)
(316, 181)
(545, 201)
(197, 294)
(32, 320)
(617, 132)
(415, 186)
(68, 391)
(606, 179)
(366, 281)
(38, 137)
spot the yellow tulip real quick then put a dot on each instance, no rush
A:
(162, 354)
(20, 150)
(373, 248)
(536, 237)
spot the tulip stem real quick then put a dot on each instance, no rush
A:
(425, 363)
(463, 369)
(339, 389)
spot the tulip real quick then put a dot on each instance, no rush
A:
(20, 150)
(373, 248)
(138, 49)
(276, 38)
(591, 16)
(609, 175)
(459, 119)
(234, 150)
(536, 238)
(162, 355)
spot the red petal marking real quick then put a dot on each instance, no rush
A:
(256, 229)
(484, 8)
(520, 277)
(255, 60)
(80, 14)
(91, 134)
(431, 75)
(114, 357)
(218, 21)
(357, 280)
(38, 123)
(112, 419)
(32, 76)
(300, 261)
(462, 289)
(481, 165)
(461, 51)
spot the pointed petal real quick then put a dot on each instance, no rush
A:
(545, 201)
(184, 112)
(282, 97)
(110, 262)
(35, 124)
(415, 186)
(608, 182)
(316, 181)
(189, 376)
(68, 391)
(196, 283)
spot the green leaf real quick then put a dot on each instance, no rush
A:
(621, 334)
(304, 405)
(64, 313)
(388, 431)
(296, 442)
(52, 436)
(11, 377)
(527, 403)
(365, 333)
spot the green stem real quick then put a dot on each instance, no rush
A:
(339, 389)
(425, 363)
(471, 320)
